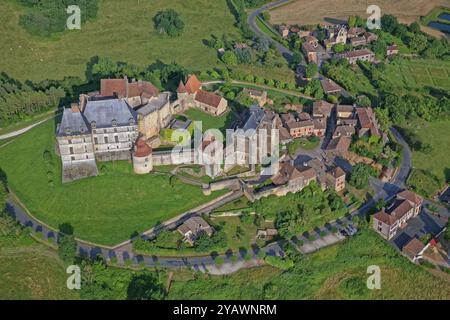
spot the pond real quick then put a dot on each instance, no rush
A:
(444, 16)
(440, 26)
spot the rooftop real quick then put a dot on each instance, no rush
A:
(105, 112)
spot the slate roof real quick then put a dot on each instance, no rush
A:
(103, 112)
(155, 104)
(73, 123)
(256, 114)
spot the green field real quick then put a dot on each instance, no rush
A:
(437, 161)
(123, 30)
(209, 121)
(31, 271)
(337, 272)
(106, 209)
(418, 73)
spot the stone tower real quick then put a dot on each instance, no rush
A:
(142, 157)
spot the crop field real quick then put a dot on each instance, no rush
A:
(305, 12)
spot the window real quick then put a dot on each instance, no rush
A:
(106, 139)
(116, 138)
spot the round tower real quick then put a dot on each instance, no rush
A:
(142, 157)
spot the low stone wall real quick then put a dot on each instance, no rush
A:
(165, 158)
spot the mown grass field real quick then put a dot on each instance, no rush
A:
(338, 272)
(419, 73)
(106, 209)
(122, 30)
(221, 122)
(31, 271)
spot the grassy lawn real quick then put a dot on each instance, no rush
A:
(266, 29)
(238, 234)
(417, 73)
(106, 209)
(123, 30)
(31, 271)
(437, 161)
(337, 272)
(303, 143)
(238, 204)
(209, 121)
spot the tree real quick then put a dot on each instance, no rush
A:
(360, 175)
(67, 248)
(168, 22)
(417, 42)
(414, 27)
(363, 101)
(352, 21)
(229, 58)
(311, 70)
(145, 287)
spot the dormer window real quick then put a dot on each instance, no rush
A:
(93, 124)
(67, 130)
(114, 123)
(132, 122)
(82, 129)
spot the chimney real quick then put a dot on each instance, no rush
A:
(83, 100)
(74, 108)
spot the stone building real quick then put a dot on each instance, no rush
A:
(191, 94)
(75, 146)
(405, 206)
(357, 55)
(113, 126)
(142, 157)
(155, 115)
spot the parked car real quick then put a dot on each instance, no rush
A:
(351, 230)
(343, 232)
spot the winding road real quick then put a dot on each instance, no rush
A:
(124, 251)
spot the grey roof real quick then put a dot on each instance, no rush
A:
(254, 118)
(155, 104)
(103, 112)
(72, 123)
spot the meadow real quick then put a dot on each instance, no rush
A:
(437, 161)
(337, 272)
(31, 271)
(418, 73)
(106, 209)
(123, 30)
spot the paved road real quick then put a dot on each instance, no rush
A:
(285, 52)
(251, 20)
(23, 130)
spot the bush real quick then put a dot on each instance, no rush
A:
(168, 22)
(278, 262)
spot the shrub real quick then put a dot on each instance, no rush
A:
(278, 262)
(168, 22)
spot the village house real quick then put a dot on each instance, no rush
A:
(345, 112)
(258, 95)
(336, 34)
(283, 30)
(193, 228)
(330, 87)
(392, 50)
(310, 49)
(293, 178)
(298, 127)
(357, 55)
(414, 250)
(338, 146)
(336, 178)
(190, 94)
(355, 32)
(367, 122)
(405, 206)
(322, 109)
(358, 41)
(344, 131)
